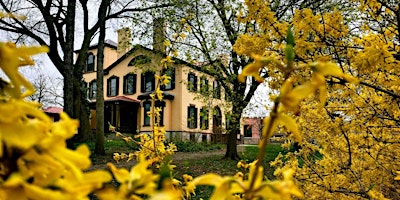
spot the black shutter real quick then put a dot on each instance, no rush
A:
(195, 117)
(195, 83)
(142, 82)
(188, 117)
(117, 86)
(153, 81)
(125, 85)
(188, 85)
(173, 79)
(108, 87)
(134, 83)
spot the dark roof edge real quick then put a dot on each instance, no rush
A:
(107, 43)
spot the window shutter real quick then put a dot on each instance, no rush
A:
(153, 81)
(173, 79)
(117, 86)
(188, 85)
(142, 82)
(108, 87)
(195, 83)
(134, 83)
(188, 117)
(125, 85)
(195, 117)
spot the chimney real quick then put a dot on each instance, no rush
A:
(159, 31)
(124, 41)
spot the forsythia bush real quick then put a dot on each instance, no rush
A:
(350, 145)
(34, 160)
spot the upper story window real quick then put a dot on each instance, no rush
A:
(112, 86)
(92, 89)
(130, 84)
(204, 116)
(204, 87)
(192, 82)
(170, 71)
(148, 81)
(216, 90)
(139, 60)
(192, 117)
(90, 63)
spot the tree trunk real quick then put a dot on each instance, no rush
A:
(233, 132)
(69, 62)
(99, 146)
(81, 110)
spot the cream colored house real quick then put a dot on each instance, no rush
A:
(129, 79)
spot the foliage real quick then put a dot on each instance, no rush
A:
(354, 127)
(34, 160)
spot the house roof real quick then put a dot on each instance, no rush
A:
(122, 98)
(56, 110)
(137, 47)
(107, 43)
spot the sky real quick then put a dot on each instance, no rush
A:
(256, 108)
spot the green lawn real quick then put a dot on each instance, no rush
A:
(216, 164)
(199, 165)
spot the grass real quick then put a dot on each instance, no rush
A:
(271, 152)
(216, 164)
(196, 147)
(199, 165)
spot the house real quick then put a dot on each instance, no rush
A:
(53, 112)
(251, 129)
(129, 80)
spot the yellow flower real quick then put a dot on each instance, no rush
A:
(138, 181)
(252, 69)
(159, 94)
(11, 58)
(165, 79)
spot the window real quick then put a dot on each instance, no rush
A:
(90, 63)
(216, 90)
(92, 90)
(146, 109)
(170, 71)
(217, 120)
(112, 86)
(148, 82)
(204, 119)
(192, 82)
(204, 87)
(192, 117)
(248, 130)
(130, 84)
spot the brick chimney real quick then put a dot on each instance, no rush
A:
(124, 41)
(159, 31)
